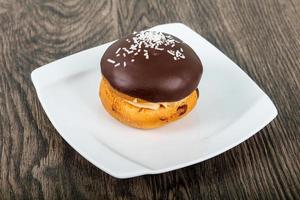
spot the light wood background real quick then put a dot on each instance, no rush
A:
(263, 37)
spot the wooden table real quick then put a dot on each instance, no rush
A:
(263, 37)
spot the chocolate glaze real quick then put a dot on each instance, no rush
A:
(197, 90)
(159, 78)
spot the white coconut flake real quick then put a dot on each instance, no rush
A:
(111, 61)
(179, 54)
(171, 52)
(124, 64)
(118, 64)
(133, 47)
(160, 49)
(118, 50)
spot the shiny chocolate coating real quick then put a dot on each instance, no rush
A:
(162, 71)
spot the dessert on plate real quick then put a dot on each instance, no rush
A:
(149, 79)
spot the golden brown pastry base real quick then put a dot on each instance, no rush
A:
(116, 104)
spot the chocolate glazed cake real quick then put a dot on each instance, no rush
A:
(150, 73)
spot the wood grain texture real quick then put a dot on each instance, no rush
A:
(263, 37)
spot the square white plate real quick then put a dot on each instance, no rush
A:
(230, 110)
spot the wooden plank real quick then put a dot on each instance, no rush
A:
(263, 37)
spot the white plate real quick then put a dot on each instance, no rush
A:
(230, 110)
